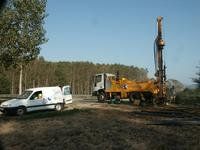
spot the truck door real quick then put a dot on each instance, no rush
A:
(67, 94)
(99, 82)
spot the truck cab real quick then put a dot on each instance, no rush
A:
(102, 82)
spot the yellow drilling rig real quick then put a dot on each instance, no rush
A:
(109, 86)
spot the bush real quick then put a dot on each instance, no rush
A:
(188, 97)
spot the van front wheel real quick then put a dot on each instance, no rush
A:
(21, 111)
(59, 107)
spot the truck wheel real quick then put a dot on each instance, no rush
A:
(117, 99)
(142, 103)
(131, 98)
(101, 97)
(21, 111)
(59, 107)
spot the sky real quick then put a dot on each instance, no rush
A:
(123, 32)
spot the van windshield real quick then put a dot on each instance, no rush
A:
(24, 95)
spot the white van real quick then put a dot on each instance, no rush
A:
(38, 99)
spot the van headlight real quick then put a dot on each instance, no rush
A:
(6, 105)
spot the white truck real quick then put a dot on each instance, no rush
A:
(40, 98)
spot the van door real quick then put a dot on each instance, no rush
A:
(67, 94)
(35, 102)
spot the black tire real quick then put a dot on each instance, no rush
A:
(5, 113)
(101, 97)
(117, 99)
(142, 103)
(21, 111)
(148, 97)
(131, 98)
(59, 107)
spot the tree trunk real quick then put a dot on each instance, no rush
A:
(25, 81)
(20, 80)
(12, 84)
(33, 83)
(47, 82)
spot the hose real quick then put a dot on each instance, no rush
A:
(155, 55)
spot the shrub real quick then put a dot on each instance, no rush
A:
(188, 97)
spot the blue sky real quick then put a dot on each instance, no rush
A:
(123, 32)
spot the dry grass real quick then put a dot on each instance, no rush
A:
(96, 126)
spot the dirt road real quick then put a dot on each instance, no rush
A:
(86, 124)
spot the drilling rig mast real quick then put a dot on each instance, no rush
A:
(160, 68)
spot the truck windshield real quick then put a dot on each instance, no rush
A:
(98, 78)
(24, 95)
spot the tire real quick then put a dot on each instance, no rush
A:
(142, 103)
(20, 111)
(5, 113)
(59, 107)
(131, 98)
(117, 99)
(101, 97)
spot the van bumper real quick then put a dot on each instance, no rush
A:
(8, 109)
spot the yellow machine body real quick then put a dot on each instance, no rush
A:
(123, 87)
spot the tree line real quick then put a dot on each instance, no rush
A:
(79, 75)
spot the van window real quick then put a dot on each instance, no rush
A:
(66, 91)
(37, 96)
